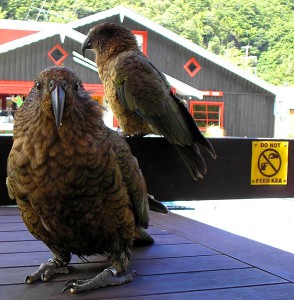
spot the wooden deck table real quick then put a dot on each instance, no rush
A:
(189, 260)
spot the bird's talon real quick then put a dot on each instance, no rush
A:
(69, 286)
(70, 282)
(28, 280)
(44, 277)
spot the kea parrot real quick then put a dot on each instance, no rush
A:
(140, 96)
(75, 181)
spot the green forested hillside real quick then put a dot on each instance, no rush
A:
(224, 27)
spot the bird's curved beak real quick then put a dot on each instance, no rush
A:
(86, 45)
(58, 99)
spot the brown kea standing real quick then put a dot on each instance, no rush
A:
(140, 97)
(75, 181)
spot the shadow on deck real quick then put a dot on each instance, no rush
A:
(189, 260)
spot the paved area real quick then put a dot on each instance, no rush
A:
(269, 221)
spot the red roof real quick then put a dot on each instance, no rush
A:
(8, 35)
(24, 87)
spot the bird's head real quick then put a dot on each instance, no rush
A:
(108, 39)
(58, 90)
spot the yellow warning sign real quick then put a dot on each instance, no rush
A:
(269, 163)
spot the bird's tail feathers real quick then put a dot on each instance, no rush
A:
(142, 237)
(197, 135)
(207, 146)
(157, 206)
(193, 160)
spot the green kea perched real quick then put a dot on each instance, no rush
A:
(140, 97)
(75, 181)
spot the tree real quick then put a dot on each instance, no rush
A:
(221, 26)
(2, 13)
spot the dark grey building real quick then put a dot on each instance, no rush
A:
(233, 99)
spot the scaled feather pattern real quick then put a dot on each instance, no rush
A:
(75, 181)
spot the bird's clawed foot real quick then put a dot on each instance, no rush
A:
(108, 277)
(46, 270)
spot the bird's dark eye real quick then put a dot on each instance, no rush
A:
(77, 86)
(38, 86)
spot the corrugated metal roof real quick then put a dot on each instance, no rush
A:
(51, 29)
(125, 12)
(62, 30)
(28, 25)
(27, 40)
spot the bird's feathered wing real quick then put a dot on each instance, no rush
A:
(132, 177)
(142, 88)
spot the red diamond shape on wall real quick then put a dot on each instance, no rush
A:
(192, 67)
(57, 54)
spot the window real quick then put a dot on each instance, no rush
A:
(57, 54)
(192, 67)
(141, 37)
(207, 113)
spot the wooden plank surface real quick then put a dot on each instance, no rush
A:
(178, 265)
(271, 259)
(143, 267)
(263, 292)
(9, 210)
(151, 252)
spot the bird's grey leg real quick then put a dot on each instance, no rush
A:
(108, 277)
(57, 265)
